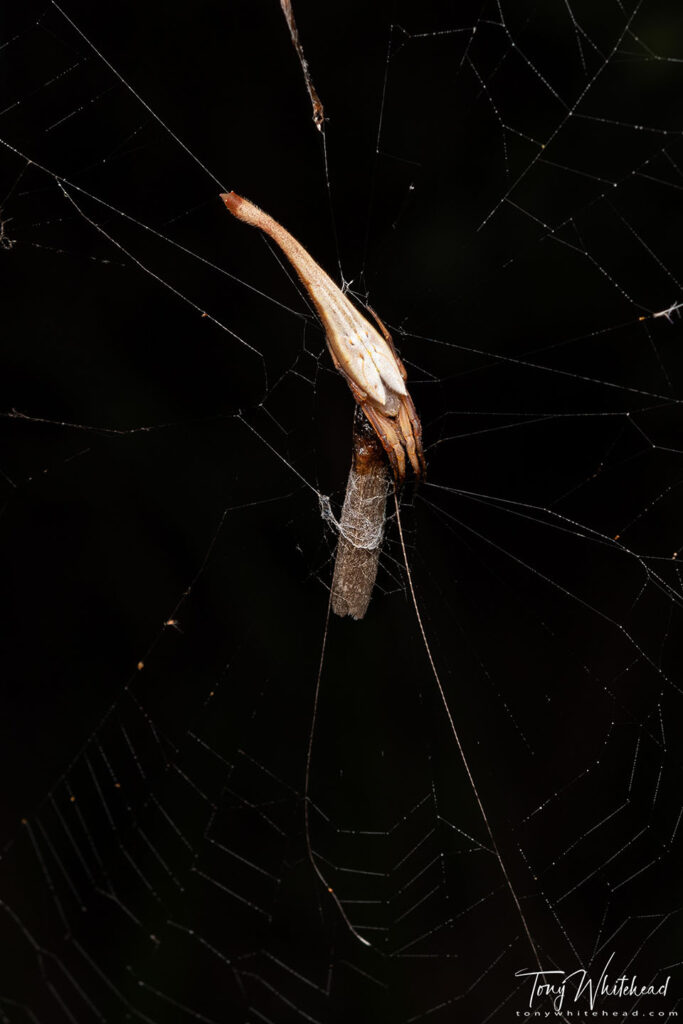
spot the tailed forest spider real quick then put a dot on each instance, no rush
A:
(365, 356)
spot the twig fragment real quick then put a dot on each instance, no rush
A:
(318, 112)
(361, 528)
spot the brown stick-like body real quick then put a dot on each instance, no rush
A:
(361, 527)
(364, 355)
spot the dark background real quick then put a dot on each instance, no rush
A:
(157, 469)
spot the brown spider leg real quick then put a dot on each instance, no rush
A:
(390, 342)
(382, 426)
(408, 419)
(357, 393)
(391, 442)
(393, 450)
(409, 425)
(416, 425)
(392, 439)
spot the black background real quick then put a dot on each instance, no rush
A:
(157, 468)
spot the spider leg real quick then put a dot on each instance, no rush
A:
(382, 425)
(399, 435)
(408, 421)
(357, 393)
(391, 442)
(411, 429)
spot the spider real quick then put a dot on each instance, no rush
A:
(364, 356)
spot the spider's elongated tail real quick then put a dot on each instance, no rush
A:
(240, 208)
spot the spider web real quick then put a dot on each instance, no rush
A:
(503, 184)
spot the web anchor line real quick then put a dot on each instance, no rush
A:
(461, 750)
(307, 801)
(309, 753)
